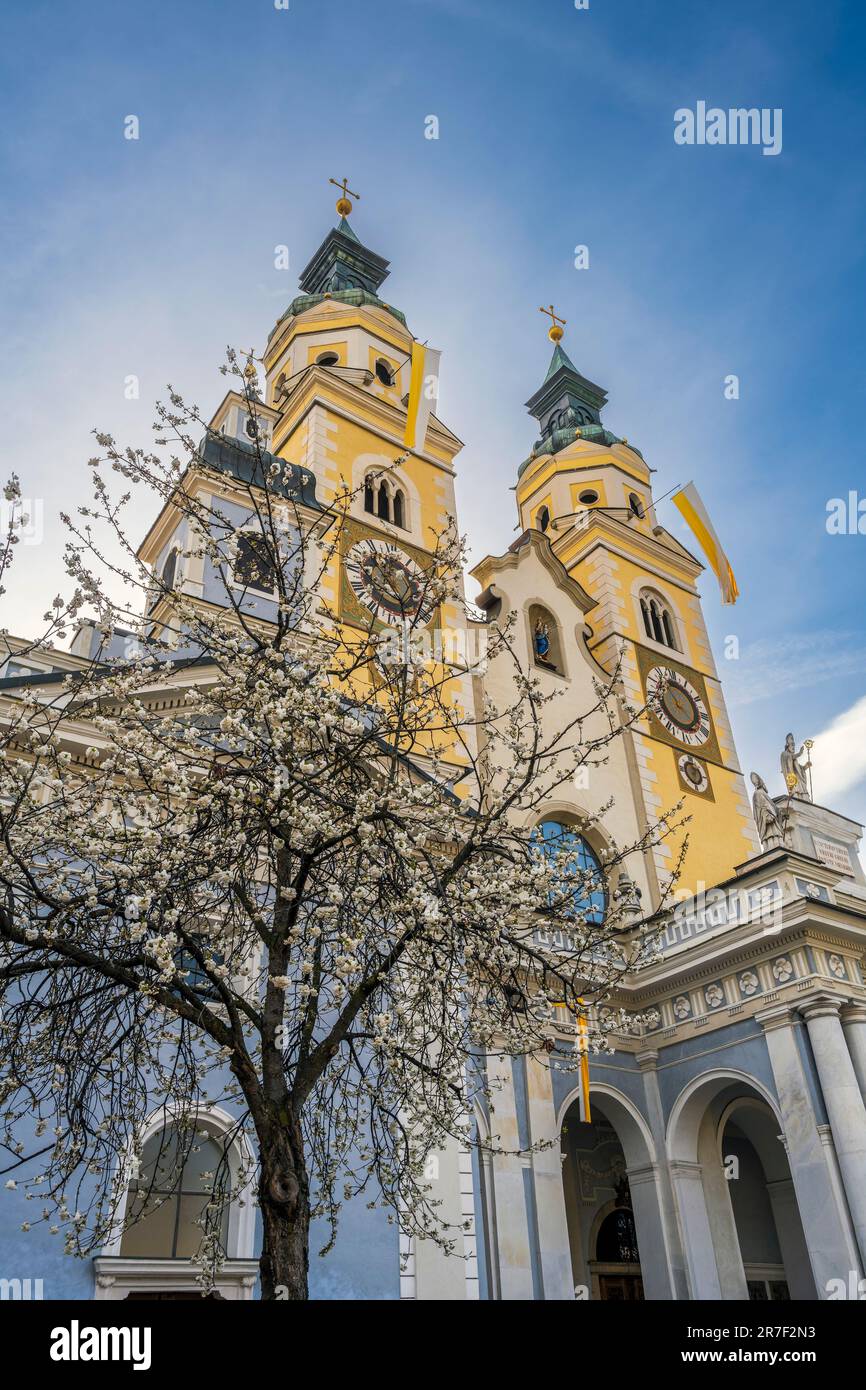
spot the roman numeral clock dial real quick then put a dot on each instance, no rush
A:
(678, 706)
(388, 582)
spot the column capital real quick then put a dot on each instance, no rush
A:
(821, 1006)
(781, 1016)
(685, 1168)
(647, 1060)
(645, 1172)
(853, 1013)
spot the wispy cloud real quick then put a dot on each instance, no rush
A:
(839, 754)
(793, 662)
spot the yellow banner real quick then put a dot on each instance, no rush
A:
(583, 1044)
(423, 394)
(688, 502)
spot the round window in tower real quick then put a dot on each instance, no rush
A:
(384, 373)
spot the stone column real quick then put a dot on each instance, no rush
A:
(854, 1028)
(703, 1275)
(440, 1277)
(643, 1184)
(829, 1238)
(844, 1102)
(576, 1215)
(668, 1278)
(547, 1176)
(720, 1214)
(795, 1256)
(512, 1226)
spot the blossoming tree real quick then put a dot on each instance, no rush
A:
(278, 863)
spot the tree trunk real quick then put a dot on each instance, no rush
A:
(284, 1200)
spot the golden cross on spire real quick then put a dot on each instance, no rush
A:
(344, 207)
(554, 332)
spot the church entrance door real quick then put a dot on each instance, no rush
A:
(620, 1288)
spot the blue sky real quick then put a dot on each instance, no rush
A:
(556, 129)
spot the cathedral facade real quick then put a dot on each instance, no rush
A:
(725, 1157)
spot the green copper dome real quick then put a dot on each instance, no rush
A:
(345, 270)
(567, 407)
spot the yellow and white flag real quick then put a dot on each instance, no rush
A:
(688, 501)
(423, 394)
(583, 1049)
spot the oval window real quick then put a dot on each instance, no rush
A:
(588, 497)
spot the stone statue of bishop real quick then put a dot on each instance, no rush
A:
(771, 827)
(794, 771)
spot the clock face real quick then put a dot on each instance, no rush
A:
(678, 706)
(693, 773)
(387, 581)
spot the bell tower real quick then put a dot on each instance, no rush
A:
(591, 492)
(338, 374)
(338, 369)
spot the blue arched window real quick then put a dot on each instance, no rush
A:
(589, 896)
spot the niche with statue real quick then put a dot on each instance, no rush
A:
(546, 644)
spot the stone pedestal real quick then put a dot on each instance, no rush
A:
(824, 835)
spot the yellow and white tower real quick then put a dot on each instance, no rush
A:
(338, 365)
(591, 493)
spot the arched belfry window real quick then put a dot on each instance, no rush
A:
(383, 499)
(545, 639)
(543, 519)
(578, 868)
(254, 563)
(169, 570)
(180, 1192)
(658, 620)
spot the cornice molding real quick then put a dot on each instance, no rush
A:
(382, 416)
(612, 533)
(332, 313)
(536, 542)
